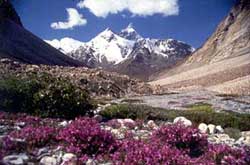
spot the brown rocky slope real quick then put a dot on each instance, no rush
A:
(223, 63)
(99, 84)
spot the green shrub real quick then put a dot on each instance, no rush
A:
(44, 96)
(233, 133)
(16, 95)
(204, 107)
(196, 113)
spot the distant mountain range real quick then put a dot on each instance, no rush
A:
(125, 52)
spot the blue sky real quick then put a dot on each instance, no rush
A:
(191, 21)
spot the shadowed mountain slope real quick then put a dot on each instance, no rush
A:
(18, 43)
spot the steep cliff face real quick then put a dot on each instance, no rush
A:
(19, 44)
(231, 38)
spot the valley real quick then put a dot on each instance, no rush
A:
(122, 98)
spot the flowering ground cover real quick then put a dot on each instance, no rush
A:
(89, 139)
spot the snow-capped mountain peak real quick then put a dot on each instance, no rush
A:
(130, 33)
(110, 47)
(129, 29)
(107, 34)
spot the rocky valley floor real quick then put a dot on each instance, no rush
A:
(229, 76)
(181, 100)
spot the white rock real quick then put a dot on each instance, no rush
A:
(219, 129)
(20, 124)
(240, 140)
(247, 141)
(211, 128)
(123, 121)
(151, 124)
(91, 162)
(63, 124)
(16, 159)
(184, 120)
(58, 156)
(98, 109)
(69, 159)
(245, 133)
(203, 128)
(118, 133)
(48, 160)
(108, 163)
(222, 139)
(244, 141)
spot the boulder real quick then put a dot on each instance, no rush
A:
(69, 159)
(244, 139)
(203, 128)
(48, 160)
(222, 139)
(211, 128)
(118, 133)
(16, 159)
(151, 124)
(183, 120)
(124, 121)
(63, 123)
(91, 162)
(219, 129)
(98, 118)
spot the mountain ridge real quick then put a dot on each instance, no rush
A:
(120, 51)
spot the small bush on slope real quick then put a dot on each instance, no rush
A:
(44, 96)
(196, 113)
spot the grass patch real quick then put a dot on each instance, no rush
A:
(201, 113)
(204, 107)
